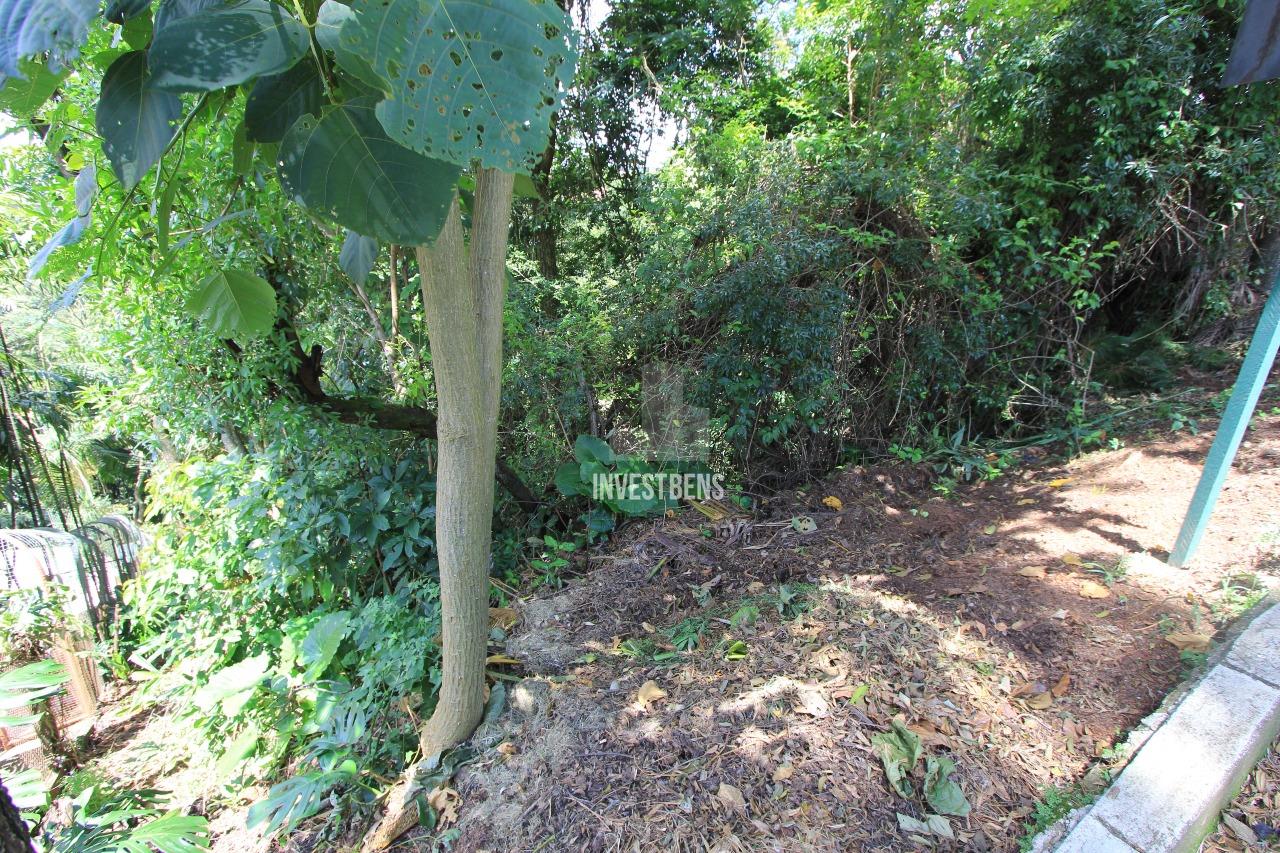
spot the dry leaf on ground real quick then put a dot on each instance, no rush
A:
(1039, 701)
(731, 797)
(502, 617)
(648, 693)
(445, 801)
(1093, 589)
(1189, 642)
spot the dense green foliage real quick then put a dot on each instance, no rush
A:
(1009, 191)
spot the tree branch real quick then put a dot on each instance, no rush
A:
(379, 414)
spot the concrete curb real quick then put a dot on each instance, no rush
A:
(1204, 744)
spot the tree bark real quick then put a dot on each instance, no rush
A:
(14, 837)
(464, 325)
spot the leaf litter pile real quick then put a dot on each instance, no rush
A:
(1252, 820)
(864, 664)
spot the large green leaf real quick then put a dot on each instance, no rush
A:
(135, 120)
(28, 790)
(239, 751)
(31, 27)
(22, 97)
(234, 303)
(296, 799)
(941, 792)
(330, 20)
(224, 45)
(321, 643)
(358, 255)
(173, 832)
(170, 11)
(232, 686)
(899, 750)
(119, 11)
(31, 683)
(276, 102)
(344, 166)
(588, 448)
(466, 79)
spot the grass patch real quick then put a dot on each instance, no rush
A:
(1053, 805)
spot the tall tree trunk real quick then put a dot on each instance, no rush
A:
(464, 297)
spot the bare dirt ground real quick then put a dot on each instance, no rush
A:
(716, 684)
(677, 700)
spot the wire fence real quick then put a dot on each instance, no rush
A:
(92, 562)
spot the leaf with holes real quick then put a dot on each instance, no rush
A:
(32, 27)
(234, 303)
(28, 789)
(276, 102)
(136, 120)
(344, 166)
(296, 799)
(224, 45)
(466, 80)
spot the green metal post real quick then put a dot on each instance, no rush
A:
(1244, 397)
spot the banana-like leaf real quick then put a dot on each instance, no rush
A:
(276, 102)
(234, 304)
(28, 790)
(31, 683)
(225, 45)
(344, 166)
(173, 832)
(31, 27)
(135, 120)
(466, 79)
